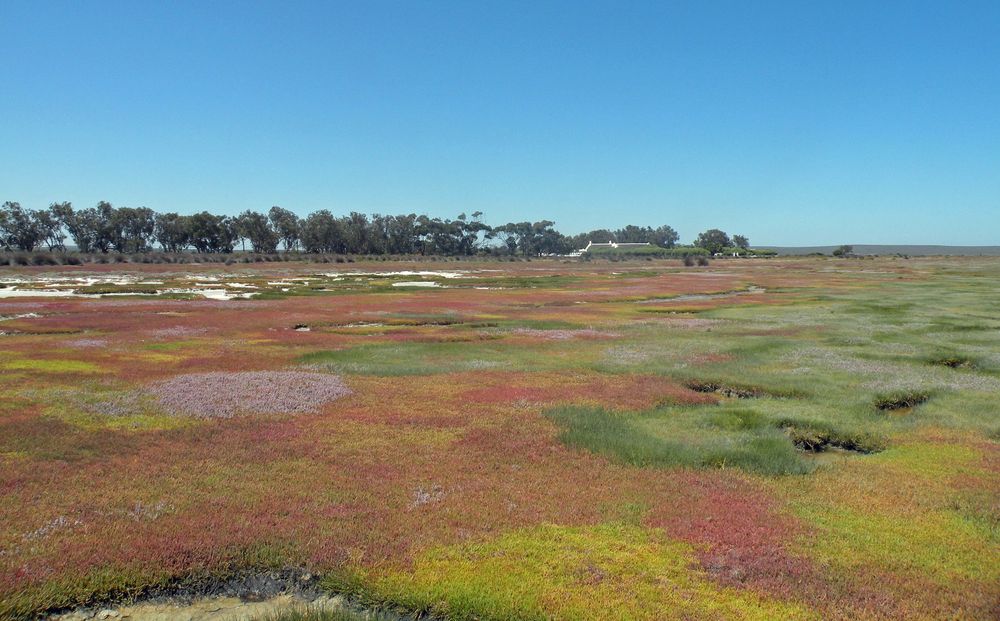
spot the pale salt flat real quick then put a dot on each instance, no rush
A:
(211, 294)
(417, 283)
(216, 294)
(451, 274)
(42, 293)
(23, 316)
(72, 281)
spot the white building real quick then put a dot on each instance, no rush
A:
(613, 244)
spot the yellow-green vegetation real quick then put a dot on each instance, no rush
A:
(611, 571)
(50, 366)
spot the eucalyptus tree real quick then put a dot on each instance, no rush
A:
(131, 229)
(211, 233)
(256, 228)
(5, 243)
(51, 228)
(713, 240)
(19, 227)
(172, 232)
(287, 225)
(83, 226)
(402, 234)
(322, 232)
(357, 233)
(471, 232)
(633, 234)
(664, 236)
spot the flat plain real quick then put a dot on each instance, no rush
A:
(757, 439)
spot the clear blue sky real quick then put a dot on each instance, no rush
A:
(793, 122)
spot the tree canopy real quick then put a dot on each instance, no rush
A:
(105, 228)
(713, 240)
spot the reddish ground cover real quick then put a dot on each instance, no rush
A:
(393, 461)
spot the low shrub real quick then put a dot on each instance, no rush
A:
(117, 289)
(738, 392)
(44, 259)
(951, 360)
(900, 401)
(817, 437)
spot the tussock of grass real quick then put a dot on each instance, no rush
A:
(900, 401)
(954, 361)
(613, 435)
(738, 392)
(818, 437)
(743, 440)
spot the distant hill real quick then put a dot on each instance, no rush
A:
(911, 250)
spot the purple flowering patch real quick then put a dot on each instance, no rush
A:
(225, 395)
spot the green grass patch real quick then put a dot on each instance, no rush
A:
(701, 437)
(430, 358)
(118, 289)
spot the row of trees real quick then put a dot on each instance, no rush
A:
(664, 236)
(105, 228)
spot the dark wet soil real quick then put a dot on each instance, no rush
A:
(232, 597)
